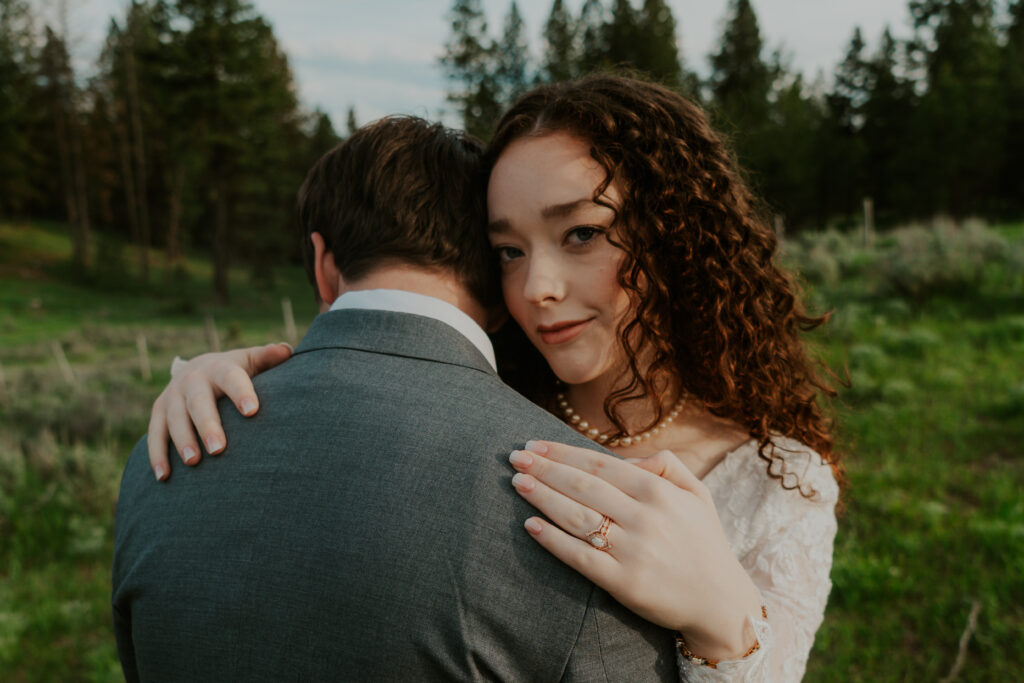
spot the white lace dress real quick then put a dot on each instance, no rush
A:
(784, 541)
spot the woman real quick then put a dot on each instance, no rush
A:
(634, 262)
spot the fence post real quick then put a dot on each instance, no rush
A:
(212, 341)
(869, 222)
(3, 389)
(144, 366)
(291, 336)
(62, 362)
(780, 227)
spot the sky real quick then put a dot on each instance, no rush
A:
(380, 57)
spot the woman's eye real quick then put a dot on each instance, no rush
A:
(507, 254)
(583, 234)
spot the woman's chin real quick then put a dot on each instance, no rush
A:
(573, 375)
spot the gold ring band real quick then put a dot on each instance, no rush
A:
(599, 538)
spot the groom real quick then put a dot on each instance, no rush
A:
(363, 525)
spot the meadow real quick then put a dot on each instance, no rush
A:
(927, 325)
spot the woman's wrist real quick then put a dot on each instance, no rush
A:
(724, 630)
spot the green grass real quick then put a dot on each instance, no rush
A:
(930, 429)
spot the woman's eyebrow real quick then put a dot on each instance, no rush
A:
(565, 209)
(499, 226)
(554, 211)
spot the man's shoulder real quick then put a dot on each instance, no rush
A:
(414, 387)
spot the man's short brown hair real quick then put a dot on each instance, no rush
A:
(402, 190)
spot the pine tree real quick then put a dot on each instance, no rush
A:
(740, 83)
(846, 101)
(512, 58)
(125, 69)
(17, 62)
(842, 148)
(322, 136)
(246, 123)
(1012, 78)
(658, 52)
(591, 27)
(787, 168)
(622, 36)
(165, 67)
(962, 107)
(61, 95)
(740, 79)
(351, 125)
(469, 62)
(142, 88)
(561, 49)
(887, 111)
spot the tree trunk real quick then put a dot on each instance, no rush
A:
(66, 173)
(142, 201)
(176, 188)
(81, 226)
(129, 181)
(221, 242)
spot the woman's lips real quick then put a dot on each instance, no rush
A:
(559, 333)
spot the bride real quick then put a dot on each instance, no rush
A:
(650, 316)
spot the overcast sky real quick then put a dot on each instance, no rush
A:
(381, 56)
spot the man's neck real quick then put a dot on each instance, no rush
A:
(435, 283)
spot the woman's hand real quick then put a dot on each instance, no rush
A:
(668, 559)
(191, 398)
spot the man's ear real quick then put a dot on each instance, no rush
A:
(329, 282)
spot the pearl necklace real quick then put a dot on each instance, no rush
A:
(575, 420)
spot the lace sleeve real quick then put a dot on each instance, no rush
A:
(788, 554)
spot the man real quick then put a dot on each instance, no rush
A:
(363, 526)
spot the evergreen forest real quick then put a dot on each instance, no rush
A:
(188, 133)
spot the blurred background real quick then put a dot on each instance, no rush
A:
(149, 157)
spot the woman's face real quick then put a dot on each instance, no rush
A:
(559, 272)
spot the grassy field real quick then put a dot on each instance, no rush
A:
(929, 322)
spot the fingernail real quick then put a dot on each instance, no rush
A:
(248, 407)
(160, 472)
(520, 458)
(290, 347)
(532, 525)
(537, 447)
(189, 455)
(523, 483)
(213, 444)
(633, 460)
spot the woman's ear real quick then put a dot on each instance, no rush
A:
(329, 282)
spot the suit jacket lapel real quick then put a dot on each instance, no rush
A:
(395, 334)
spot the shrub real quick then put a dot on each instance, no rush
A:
(918, 261)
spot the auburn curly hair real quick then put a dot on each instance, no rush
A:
(711, 308)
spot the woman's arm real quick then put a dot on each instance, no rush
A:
(190, 398)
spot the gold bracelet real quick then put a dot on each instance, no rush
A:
(713, 663)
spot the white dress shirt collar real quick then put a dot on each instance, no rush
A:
(401, 301)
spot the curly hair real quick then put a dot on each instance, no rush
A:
(711, 308)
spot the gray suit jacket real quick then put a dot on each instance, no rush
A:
(363, 527)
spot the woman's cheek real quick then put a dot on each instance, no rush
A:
(513, 303)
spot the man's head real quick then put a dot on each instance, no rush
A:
(401, 192)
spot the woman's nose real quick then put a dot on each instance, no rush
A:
(545, 282)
